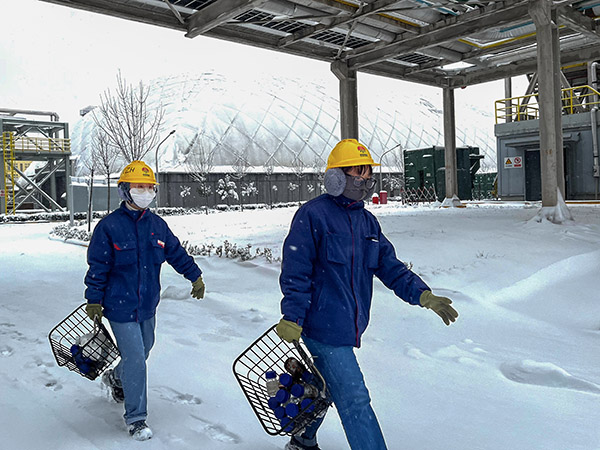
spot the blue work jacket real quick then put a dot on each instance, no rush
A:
(333, 249)
(125, 255)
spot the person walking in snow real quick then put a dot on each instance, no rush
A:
(125, 255)
(333, 250)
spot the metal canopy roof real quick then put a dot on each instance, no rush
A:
(414, 40)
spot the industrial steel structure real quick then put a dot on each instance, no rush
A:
(24, 139)
(414, 40)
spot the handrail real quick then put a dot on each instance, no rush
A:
(575, 100)
(27, 144)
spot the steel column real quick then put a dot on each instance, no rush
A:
(450, 143)
(549, 85)
(348, 99)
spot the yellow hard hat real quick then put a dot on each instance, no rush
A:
(137, 172)
(348, 153)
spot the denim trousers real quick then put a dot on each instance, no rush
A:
(134, 341)
(346, 386)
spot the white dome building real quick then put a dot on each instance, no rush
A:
(282, 126)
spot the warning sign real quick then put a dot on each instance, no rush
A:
(513, 162)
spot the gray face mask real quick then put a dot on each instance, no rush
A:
(358, 188)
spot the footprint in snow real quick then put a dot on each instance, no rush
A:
(222, 334)
(5, 350)
(545, 374)
(459, 355)
(253, 315)
(174, 396)
(37, 362)
(215, 432)
(50, 382)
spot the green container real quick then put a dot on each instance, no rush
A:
(425, 167)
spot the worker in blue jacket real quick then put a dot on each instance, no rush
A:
(125, 255)
(333, 249)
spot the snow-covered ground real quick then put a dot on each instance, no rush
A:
(520, 369)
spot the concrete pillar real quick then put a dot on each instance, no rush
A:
(348, 99)
(508, 103)
(450, 143)
(549, 99)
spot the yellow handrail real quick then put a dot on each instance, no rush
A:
(575, 100)
(41, 144)
(8, 184)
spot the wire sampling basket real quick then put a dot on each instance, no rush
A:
(83, 345)
(269, 353)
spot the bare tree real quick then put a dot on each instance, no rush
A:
(199, 163)
(298, 167)
(318, 167)
(128, 121)
(269, 169)
(106, 156)
(241, 166)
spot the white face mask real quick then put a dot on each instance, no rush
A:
(142, 197)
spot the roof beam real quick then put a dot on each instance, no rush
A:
(216, 14)
(369, 9)
(441, 32)
(372, 19)
(574, 56)
(473, 57)
(578, 22)
(132, 10)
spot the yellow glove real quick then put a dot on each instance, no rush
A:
(288, 331)
(198, 288)
(439, 305)
(93, 310)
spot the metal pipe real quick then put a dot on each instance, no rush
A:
(156, 164)
(594, 120)
(12, 112)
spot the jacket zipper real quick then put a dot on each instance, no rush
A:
(137, 312)
(352, 278)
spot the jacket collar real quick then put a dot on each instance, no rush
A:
(348, 203)
(134, 214)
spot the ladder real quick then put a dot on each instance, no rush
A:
(8, 160)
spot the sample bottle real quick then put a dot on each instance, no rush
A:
(272, 383)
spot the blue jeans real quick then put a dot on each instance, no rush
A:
(346, 385)
(134, 341)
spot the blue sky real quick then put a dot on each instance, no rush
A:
(61, 59)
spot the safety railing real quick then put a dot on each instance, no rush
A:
(27, 144)
(425, 194)
(575, 100)
(8, 183)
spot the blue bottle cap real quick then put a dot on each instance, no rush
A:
(270, 374)
(307, 376)
(279, 412)
(282, 396)
(292, 409)
(297, 390)
(287, 424)
(307, 403)
(286, 379)
(273, 403)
